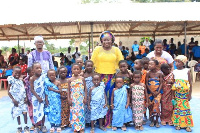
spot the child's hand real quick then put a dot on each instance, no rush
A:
(15, 103)
(40, 100)
(105, 106)
(126, 106)
(189, 97)
(89, 107)
(50, 88)
(84, 101)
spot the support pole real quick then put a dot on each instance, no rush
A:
(91, 24)
(185, 30)
(89, 48)
(18, 45)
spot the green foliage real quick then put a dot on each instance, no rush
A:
(144, 38)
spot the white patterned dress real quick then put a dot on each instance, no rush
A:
(18, 92)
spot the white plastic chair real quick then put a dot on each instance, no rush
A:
(191, 64)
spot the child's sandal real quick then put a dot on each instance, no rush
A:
(123, 128)
(114, 128)
(52, 130)
(178, 128)
(188, 129)
(157, 125)
(137, 128)
(92, 130)
(151, 124)
(102, 128)
(141, 128)
(58, 130)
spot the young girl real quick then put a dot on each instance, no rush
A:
(17, 93)
(154, 85)
(38, 97)
(120, 105)
(29, 94)
(77, 97)
(182, 116)
(97, 102)
(139, 66)
(166, 98)
(127, 75)
(89, 84)
(53, 102)
(145, 61)
(138, 92)
(62, 71)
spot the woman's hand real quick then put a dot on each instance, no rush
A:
(15, 103)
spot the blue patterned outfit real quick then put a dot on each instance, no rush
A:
(53, 110)
(97, 102)
(18, 92)
(121, 115)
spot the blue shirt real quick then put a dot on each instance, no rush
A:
(9, 72)
(144, 55)
(124, 53)
(135, 47)
(69, 73)
(166, 47)
(130, 63)
(183, 49)
(73, 61)
(151, 47)
(196, 51)
(138, 56)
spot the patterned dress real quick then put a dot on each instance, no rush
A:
(89, 84)
(166, 99)
(64, 106)
(18, 92)
(182, 115)
(154, 107)
(138, 104)
(29, 97)
(97, 102)
(77, 116)
(53, 110)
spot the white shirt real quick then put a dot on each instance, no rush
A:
(147, 44)
(69, 56)
(164, 55)
(77, 56)
(181, 74)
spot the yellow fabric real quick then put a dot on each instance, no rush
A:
(106, 62)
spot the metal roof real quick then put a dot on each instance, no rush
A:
(146, 19)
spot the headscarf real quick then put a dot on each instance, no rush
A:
(107, 33)
(38, 38)
(182, 58)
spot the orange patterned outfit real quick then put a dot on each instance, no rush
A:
(64, 106)
(144, 73)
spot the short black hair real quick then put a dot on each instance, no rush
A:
(140, 60)
(123, 61)
(61, 67)
(88, 61)
(164, 66)
(28, 70)
(50, 70)
(137, 72)
(35, 63)
(144, 59)
(76, 64)
(16, 67)
(96, 74)
(119, 77)
(155, 61)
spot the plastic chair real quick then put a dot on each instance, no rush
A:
(191, 64)
(4, 83)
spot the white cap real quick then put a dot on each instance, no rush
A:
(38, 38)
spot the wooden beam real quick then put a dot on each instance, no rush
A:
(166, 26)
(79, 27)
(47, 29)
(25, 28)
(12, 28)
(4, 34)
(157, 25)
(189, 28)
(107, 25)
(133, 26)
(182, 29)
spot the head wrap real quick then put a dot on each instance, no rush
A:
(182, 58)
(38, 38)
(107, 33)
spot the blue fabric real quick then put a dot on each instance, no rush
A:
(69, 72)
(166, 47)
(55, 68)
(121, 115)
(53, 110)
(151, 47)
(183, 49)
(174, 64)
(124, 53)
(135, 47)
(9, 72)
(73, 60)
(196, 51)
(139, 56)
(130, 63)
(144, 55)
(1, 71)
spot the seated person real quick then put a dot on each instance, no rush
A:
(146, 52)
(23, 66)
(7, 72)
(139, 56)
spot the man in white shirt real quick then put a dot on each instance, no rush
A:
(146, 43)
(77, 53)
(68, 54)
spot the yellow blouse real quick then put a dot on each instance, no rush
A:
(106, 62)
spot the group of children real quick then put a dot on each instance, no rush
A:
(81, 100)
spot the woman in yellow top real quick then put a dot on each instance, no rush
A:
(106, 59)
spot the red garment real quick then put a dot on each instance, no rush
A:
(13, 55)
(23, 67)
(166, 99)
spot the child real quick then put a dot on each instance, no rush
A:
(17, 93)
(62, 71)
(124, 73)
(154, 84)
(139, 66)
(69, 67)
(146, 52)
(97, 102)
(182, 117)
(145, 61)
(38, 96)
(89, 84)
(53, 101)
(77, 97)
(139, 56)
(80, 62)
(142, 48)
(138, 92)
(29, 94)
(124, 52)
(166, 98)
(23, 66)
(120, 104)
